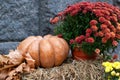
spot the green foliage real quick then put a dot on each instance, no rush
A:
(74, 26)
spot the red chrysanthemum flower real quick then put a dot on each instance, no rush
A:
(114, 43)
(118, 28)
(82, 37)
(90, 40)
(112, 34)
(54, 20)
(102, 19)
(108, 23)
(107, 17)
(97, 51)
(87, 35)
(74, 12)
(103, 26)
(94, 28)
(115, 56)
(104, 40)
(117, 36)
(93, 22)
(114, 18)
(84, 11)
(88, 30)
(107, 35)
(114, 30)
(72, 41)
(78, 39)
(100, 33)
(107, 30)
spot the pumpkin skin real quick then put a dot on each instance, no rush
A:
(47, 51)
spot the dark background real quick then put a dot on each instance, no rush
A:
(22, 18)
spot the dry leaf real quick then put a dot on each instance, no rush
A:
(3, 74)
(15, 57)
(4, 60)
(11, 65)
(30, 61)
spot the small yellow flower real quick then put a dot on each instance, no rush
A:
(117, 74)
(107, 64)
(108, 69)
(117, 67)
(116, 64)
(113, 73)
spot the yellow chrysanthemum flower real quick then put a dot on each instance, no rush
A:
(108, 69)
(107, 64)
(116, 64)
(117, 74)
(113, 73)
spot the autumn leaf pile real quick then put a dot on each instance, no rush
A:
(13, 64)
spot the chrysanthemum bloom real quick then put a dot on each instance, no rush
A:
(107, 30)
(90, 40)
(107, 17)
(100, 33)
(118, 28)
(108, 23)
(104, 40)
(114, 43)
(87, 35)
(82, 37)
(114, 18)
(103, 26)
(97, 50)
(114, 29)
(88, 30)
(115, 56)
(94, 28)
(93, 22)
(102, 19)
(84, 11)
(54, 20)
(117, 36)
(72, 41)
(74, 12)
(107, 36)
(78, 39)
(112, 34)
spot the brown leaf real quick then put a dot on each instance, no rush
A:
(4, 60)
(30, 61)
(3, 74)
(15, 57)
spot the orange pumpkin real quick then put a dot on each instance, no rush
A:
(47, 51)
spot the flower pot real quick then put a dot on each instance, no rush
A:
(79, 54)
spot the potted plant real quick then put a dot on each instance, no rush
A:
(89, 27)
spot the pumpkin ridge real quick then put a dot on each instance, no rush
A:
(52, 47)
(66, 47)
(33, 50)
(23, 46)
(46, 58)
(39, 52)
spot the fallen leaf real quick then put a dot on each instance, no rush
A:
(30, 61)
